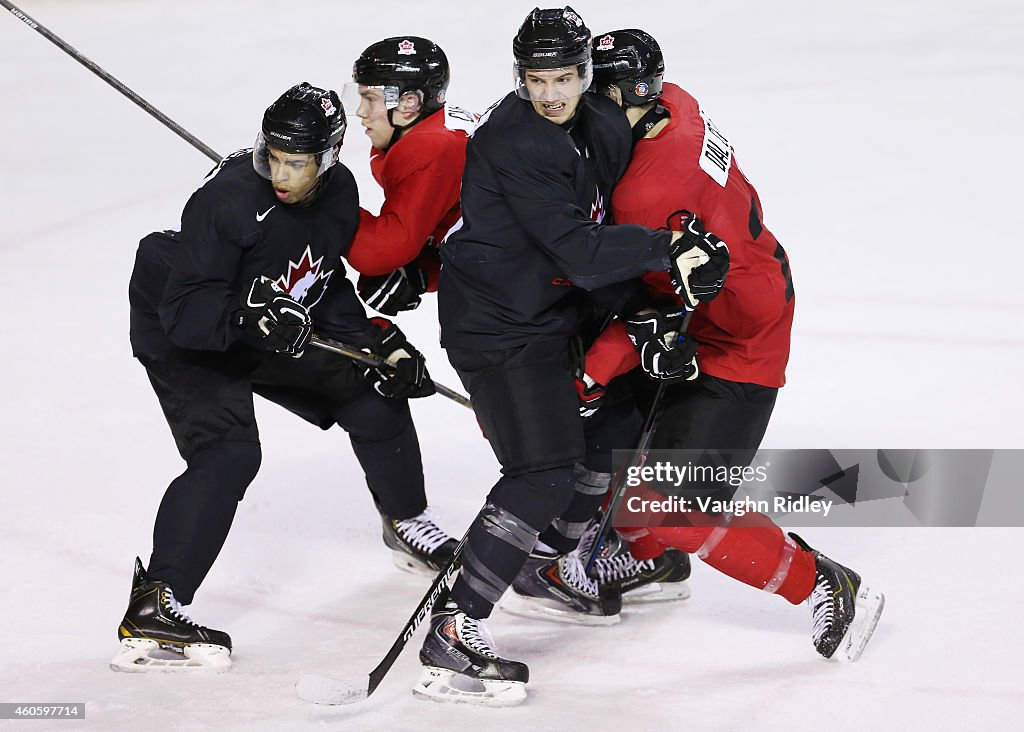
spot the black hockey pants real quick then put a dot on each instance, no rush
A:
(207, 399)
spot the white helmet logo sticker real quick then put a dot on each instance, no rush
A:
(606, 44)
(406, 48)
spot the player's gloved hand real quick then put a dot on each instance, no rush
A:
(699, 260)
(392, 293)
(591, 395)
(409, 378)
(665, 353)
(279, 323)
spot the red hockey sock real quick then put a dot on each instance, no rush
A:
(751, 549)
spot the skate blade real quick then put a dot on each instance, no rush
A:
(536, 607)
(136, 656)
(444, 685)
(867, 609)
(410, 564)
(657, 592)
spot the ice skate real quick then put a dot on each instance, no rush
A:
(157, 635)
(460, 664)
(844, 610)
(654, 580)
(418, 545)
(553, 587)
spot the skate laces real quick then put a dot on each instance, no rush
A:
(823, 607)
(174, 607)
(620, 566)
(475, 635)
(575, 575)
(421, 532)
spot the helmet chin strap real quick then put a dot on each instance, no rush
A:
(397, 131)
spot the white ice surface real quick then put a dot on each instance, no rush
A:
(884, 139)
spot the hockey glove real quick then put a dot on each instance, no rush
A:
(279, 323)
(409, 378)
(699, 259)
(665, 353)
(591, 395)
(395, 292)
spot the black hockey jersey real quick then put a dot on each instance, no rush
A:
(533, 199)
(186, 285)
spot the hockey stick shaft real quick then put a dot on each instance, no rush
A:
(368, 359)
(93, 67)
(619, 485)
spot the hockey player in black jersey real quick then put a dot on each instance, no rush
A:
(540, 168)
(224, 309)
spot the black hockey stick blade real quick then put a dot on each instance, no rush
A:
(319, 689)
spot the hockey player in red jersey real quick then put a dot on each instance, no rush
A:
(742, 338)
(419, 151)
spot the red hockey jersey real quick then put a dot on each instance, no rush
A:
(421, 175)
(744, 333)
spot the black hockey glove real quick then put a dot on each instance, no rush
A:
(279, 323)
(409, 378)
(665, 353)
(591, 395)
(699, 259)
(395, 292)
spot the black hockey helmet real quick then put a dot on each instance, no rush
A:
(631, 60)
(552, 39)
(405, 64)
(305, 119)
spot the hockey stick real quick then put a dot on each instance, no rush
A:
(618, 488)
(163, 118)
(377, 362)
(327, 690)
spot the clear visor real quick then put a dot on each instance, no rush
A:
(364, 100)
(298, 161)
(552, 85)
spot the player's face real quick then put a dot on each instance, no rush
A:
(373, 113)
(554, 93)
(292, 174)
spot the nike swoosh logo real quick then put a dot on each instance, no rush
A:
(261, 216)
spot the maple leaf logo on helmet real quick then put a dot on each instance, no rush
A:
(328, 106)
(406, 48)
(607, 43)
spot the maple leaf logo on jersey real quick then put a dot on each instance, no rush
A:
(406, 48)
(607, 43)
(597, 208)
(305, 280)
